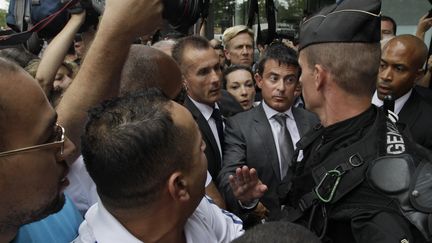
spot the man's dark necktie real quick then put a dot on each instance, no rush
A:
(216, 115)
(286, 147)
(389, 103)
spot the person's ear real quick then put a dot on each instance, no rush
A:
(185, 82)
(258, 80)
(419, 75)
(178, 187)
(227, 54)
(320, 76)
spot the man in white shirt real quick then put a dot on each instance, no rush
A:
(149, 167)
(402, 61)
(199, 64)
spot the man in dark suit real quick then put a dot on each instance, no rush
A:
(254, 137)
(401, 66)
(199, 64)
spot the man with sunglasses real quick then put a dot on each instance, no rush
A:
(34, 152)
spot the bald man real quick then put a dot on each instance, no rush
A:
(402, 61)
(165, 46)
(148, 67)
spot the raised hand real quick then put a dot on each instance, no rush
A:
(246, 186)
(423, 26)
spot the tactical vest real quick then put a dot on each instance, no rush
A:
(380, 158)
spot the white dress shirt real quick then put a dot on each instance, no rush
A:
(207, 111)
(82, 189)
(399, 103)
(208, 223)
(276, 128)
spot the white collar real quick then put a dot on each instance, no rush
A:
(270, 112)
(208, 223)
(105, 227)
(399, 103)
(205, 109)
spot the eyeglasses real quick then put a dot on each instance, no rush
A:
(58, 140)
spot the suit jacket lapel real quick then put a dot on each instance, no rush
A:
(203, 125)
(263, 128)
(411, 110)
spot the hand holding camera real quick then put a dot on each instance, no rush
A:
(133, 18)
(180, 14)
(424, 24)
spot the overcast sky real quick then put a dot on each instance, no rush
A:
(3, 4)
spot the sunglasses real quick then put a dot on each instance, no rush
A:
(58, 141)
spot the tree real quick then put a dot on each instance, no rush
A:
(230, 12)
(3, 18)
(224, 11)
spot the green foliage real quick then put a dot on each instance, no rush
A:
(230, 12)
(3, 18)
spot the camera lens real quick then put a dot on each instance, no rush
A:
(99, 5)
(182, 14)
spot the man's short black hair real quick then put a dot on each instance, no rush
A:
(279, 52)
(390, 19)
(131, 146)
(280, 232)
(193, 41)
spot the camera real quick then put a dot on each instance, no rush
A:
(180, 14)
(430, 11)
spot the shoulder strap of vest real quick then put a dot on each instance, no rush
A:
(342, 171)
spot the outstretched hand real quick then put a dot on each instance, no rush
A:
(246, 186)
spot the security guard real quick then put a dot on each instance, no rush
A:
(361, 179)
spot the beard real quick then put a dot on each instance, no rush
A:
(53, 207)
(17, 218)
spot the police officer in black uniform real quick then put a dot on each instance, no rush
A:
(361, 178)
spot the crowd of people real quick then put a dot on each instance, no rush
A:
(192, 140)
